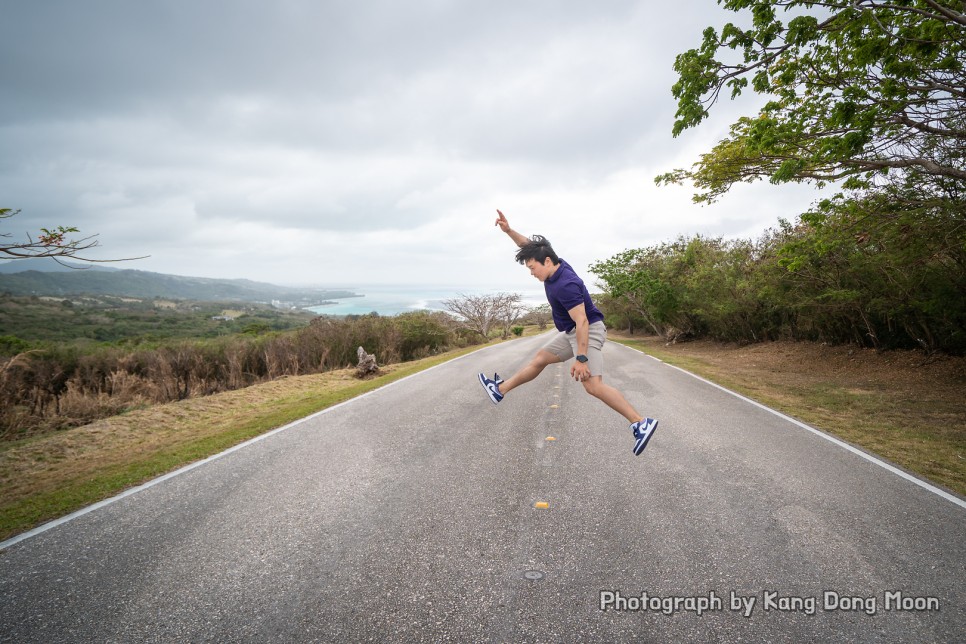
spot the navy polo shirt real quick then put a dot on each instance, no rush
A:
(565, 291)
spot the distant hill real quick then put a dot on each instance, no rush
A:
(147, 285)
(48, 264)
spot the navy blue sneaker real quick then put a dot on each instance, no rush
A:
(643, 430)
(492, 387)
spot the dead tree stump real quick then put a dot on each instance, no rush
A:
(367, 364)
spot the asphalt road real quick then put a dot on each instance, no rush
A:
(408, 515)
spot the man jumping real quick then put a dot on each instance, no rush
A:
(581, 333)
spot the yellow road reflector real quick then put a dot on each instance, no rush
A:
(551, 438)
(554, 406)
(541, 505)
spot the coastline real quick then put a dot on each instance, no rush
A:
(393, 300)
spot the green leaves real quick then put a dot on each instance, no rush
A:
(787, 170)
(858, 87)
(802, 30)
(870, 270)
(869, 95)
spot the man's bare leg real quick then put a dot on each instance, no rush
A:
(529, 372)
(612, 398)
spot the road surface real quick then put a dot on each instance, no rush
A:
(409, 515)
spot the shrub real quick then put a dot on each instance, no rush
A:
(62, 385)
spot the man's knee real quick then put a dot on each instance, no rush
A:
(593, 385)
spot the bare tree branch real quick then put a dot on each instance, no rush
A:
(53, 243)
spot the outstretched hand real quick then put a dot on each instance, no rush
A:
(502, 222)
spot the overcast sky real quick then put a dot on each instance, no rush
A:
(356, 142)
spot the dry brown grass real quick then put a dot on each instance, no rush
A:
(32, 466)
(902, 405)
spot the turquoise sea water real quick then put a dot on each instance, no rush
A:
(392, 300)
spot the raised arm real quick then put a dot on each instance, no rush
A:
(518, 239)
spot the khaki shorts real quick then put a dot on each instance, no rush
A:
(564, 346)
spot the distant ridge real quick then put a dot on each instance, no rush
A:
(147, 285)
(50, 265)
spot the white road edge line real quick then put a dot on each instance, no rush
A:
(872, 459)
(134, 490)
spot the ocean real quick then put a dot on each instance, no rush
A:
(393, 300)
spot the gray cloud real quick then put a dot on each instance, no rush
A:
(251, 139)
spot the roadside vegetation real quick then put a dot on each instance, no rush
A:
(884, 283)
(48, 385)
(865, 97)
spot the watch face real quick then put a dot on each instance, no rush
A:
(582, 358)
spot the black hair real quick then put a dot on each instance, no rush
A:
(537, 249)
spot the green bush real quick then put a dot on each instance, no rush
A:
(11, 345)
(423, 332)
(868, 272)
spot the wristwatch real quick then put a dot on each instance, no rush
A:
(582, 358)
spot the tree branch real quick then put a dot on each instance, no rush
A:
(905, 120)
(929, 166)
(945, 11)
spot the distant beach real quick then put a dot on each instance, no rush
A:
(393, 300)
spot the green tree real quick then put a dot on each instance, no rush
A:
(870, 94)
(699, 286)
(881, 271)
(634, 276)
(858, 88)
